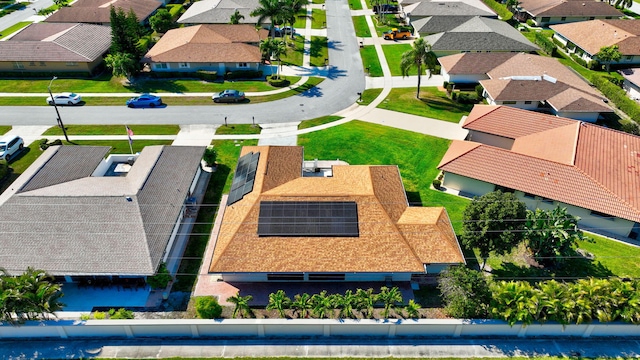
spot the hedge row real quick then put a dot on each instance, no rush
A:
(200, 74)
(618, 96)
(175, 10)
(547, 45)
(243, 74)
(500, 9)
(45, 74)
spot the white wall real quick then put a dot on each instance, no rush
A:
(464, 79)
(591, 117)
(490, 139)
(466, 185)
(567, 19)
(631, 89)
(260, 328)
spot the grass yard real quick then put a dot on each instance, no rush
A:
(238, 129)
(355, 5)
(20, 163)
(306, 86)
(319, 19)
(389, 21)
(11, 29)
(370, 61)
(114, 130)
(369, 95)
(360, 24)
(393, 54)
(295, 51)
(319, 51)
(220, 182)
(432, 103)
(417, 155)
(621, 259)
(5, 129)
(318, 121)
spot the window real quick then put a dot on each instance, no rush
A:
(529, 195)
(184, 65)
(285, 277)
(563, 18)
(509, 102)
(31, 63)
(243, 65)
(545, 19)
(71, 63)
(602, 215)
(161, 65)
(503, 189)
(528, 102)
(546, 200)
(326, 277)
(42, 63)
(18, 65)
(592, 18)
(629, 57)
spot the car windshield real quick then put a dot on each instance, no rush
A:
(3, 147)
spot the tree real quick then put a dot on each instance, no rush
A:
(61, 3)
(272, 10)
(413, 309)
(236, 17)
(279, 301)
(161, 278)
(122, 64)
(292, 11)
(161, 21)
(207, 307)
(465, 292)
(552, 234)
(322, 304)
(241, 305)
(609, 54)
(622, 4)
(389, 297)
(513, 301)
(419, 56)
(303, 304)
(346, 303)
(493, 222)
(365, 301)
(274, 48)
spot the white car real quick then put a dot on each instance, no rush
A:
(64, 99)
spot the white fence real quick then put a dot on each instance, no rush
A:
(273, 328)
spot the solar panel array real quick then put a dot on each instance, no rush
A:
(244, 177)
(308, 218)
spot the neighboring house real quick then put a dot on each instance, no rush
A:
(631, 82)
(55, 48)
(285, 221)
(548, 161)
(548, 12)
(430, 17)
(480, 34)
(99, 11)
(77, 216)
(586, 38)
(219, 12)
(527, 81)
(212, 47)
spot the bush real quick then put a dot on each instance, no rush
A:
(5, 170)
(207, 307)
(121, 313)
(558, 43)
(85, 316)
(161, 279)
(479, 91)
(449, 88)
(631, 128)
(545, 44)
(243, 74)
(618, 96)
(465, 293)
(445, 84)
(278, 82)
(210, 156)
(436, 183)
(499, 9)
(467, 98)
(531, 23)
(200, 74)
(175, 10)
(99, 315)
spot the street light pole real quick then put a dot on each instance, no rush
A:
(64, 131)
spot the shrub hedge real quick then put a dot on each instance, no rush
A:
(175, 9)
(281, 82)
(200, 74)
(499, 8)
(547, 45)
(243, 74)
(618, 96)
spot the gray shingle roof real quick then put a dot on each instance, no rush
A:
(437, 24)
(446, 8)
(92, 228)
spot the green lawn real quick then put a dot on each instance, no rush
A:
(306, 86)
(319, 19)
(20, 163)
(5, 129)
(295, 51)
(318, 51)
(389, 21)
(238, 129)
(115, 130)
(416, 155)
(432, 103)
(369, 95)
(393, 54)
(11, 29)
(360, 24)
(220, 182)
(355, 5)
(621, 259)
(318, 121)
(370, 61)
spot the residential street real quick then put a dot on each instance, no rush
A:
(24, 14)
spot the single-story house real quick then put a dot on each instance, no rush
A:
(77, 215)
(480, 34)
(285, 221)
(631, 82)
(527, 81)
(433, 11)
(219, 12)
(55, 48)
(549, 12)
(549, 161)
(212, 47)
(99, 11)
(586, 38)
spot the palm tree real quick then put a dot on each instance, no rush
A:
(419, 56)
(413, 309)
(511, 301)
(365, 301)
(389, 298)
(553, 295)
(236, 17)
(279, 301)
(622, 4)
(302, 303)
(278, 50)
(322, 304)
(269, 9)
(292, 11)
(345, 303)
(241, 305)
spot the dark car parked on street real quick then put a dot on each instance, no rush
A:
(228, 96)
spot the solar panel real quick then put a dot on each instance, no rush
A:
(308, 218)
(244, 177)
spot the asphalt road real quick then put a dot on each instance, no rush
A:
(345, 78)
(24, 14)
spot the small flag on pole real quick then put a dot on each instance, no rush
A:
(130, 136)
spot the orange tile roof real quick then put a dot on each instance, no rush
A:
(393, 236)
(592, 35)
(579, 164)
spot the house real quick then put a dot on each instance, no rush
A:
(547, 161)
(211, 47)
(527, 81)
(77, 215)
(585, 39)
(430, 17)
(285, 221)
(631, 82)
(219, 12)
(479, 34)
(549, 12)
(55, 48)
(99, 11)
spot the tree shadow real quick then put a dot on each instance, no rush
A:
(316, 46)
(336, 45)
(572, 269)
(469, 256)
(440, 104)
(153, 85)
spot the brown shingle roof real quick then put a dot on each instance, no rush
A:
(592, 35)
(423, 236)
(208, 43)
(569, 8)
(99, 11)
(473, 63)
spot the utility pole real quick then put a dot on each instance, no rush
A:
(64, 131)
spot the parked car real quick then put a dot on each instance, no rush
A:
(385, 9)
(9, 146)
(288, 30)
(228, 96)
(395, 34)
(144, 100)
(65, 98)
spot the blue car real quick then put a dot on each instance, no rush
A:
(144, 100)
